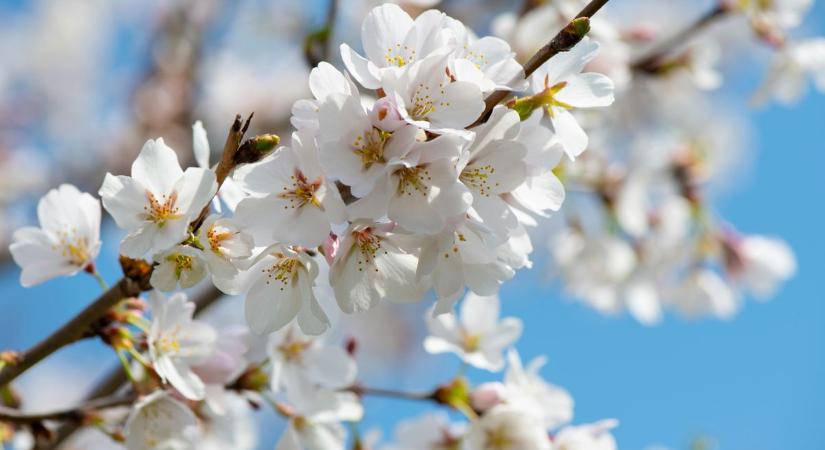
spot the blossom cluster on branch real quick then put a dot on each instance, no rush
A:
(406, 180)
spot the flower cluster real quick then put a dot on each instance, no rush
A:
(403, 181)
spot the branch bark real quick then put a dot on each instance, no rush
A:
(655, 58)
(77, 413)
(116, 379)
(73, 330)
(566, 39)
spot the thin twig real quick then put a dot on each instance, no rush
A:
(76, 413)
(655, 58)
(74, 330)
(392, 393)
(317, 45)
(562, 42)
(227, 163)
(116, 379)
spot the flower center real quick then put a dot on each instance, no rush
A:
(182, 262)
(160, 211)
(73, 247)
(370, 147)
(413, 179)
(478, 178)
(422, 103)
(302, 192)
(548, 97)
(216, 236)
(498, 439)
(285, 270)
(399, 56)
(368, 245)
(294, 350)
(471, 342)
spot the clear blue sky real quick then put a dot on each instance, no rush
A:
(756, 383)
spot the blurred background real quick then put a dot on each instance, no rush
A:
(84, 82)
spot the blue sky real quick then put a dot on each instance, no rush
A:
(752, 383)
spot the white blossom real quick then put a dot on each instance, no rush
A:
(296, 203)
(177, 343)
(524, 388)
(279, 288)
(393, 40)
(373, 264)
(508, 428)
(159, 422)
(477, 336)
(594, 436)
(181, 265)
(67, 241)
(563, 87)
(300, 362)
(315, 420)
(158, 201)
(787, 79)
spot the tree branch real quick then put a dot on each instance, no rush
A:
(115, 379)
(77, 413)
(566, 39)
(655, 58)
(227, 163)
(75, 329)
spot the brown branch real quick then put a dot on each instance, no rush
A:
(75, 329)
(317, 43)
(227, 163)
(657, 56)
(391, 393)
(75, 414)
(566, 39)
(116, 379)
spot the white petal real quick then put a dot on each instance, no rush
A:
(157, 167)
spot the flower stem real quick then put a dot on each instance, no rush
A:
(102, 282)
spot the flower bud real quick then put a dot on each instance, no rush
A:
(385, 116)
(254, 149)
(486, 396)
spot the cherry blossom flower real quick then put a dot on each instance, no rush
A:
(297, 202)
(487, 62)
(279, 288)
(494, 166)
(427, 96)
(787, 78)
(160, 422)
(477, 336)
(421, 192)
(157, 203)
(300, 362)
(784, 14)
(355, 150)
(393, 40)
(428, 432)
(560, 87)
(594, 436)
(374, 264)
(315, 420)
(508, 428)
(225, 248)
(324, 80)
(181, 265)
(177, 343)
(704, 292)
(67, 241)
(762, 264)
(466, 255)
(526, 390)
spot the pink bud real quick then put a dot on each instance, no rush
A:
(486, 396)
(330, 247)
(385, 116)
